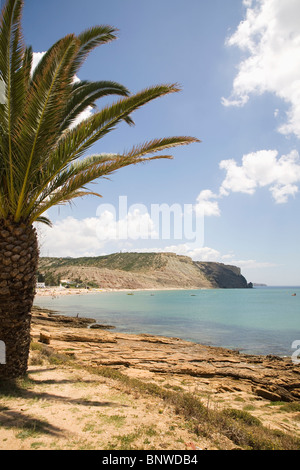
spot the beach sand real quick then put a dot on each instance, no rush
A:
(62, 291)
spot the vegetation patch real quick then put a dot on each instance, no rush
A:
(243, 429)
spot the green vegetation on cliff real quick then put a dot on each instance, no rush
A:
(141, 270)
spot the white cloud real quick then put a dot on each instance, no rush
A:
(185, 249)
(97, 235)
(70, 237)
(206, 204)
(282, 193)
(236, 179)
(247, 3)
(263, 169)
(270, 36)
(37, 56)
(209, 255)
(252, 264)
(135, 225)
(94, 235)
(196, 253)
(88, 112)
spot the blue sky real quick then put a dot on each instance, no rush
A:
(237, 63)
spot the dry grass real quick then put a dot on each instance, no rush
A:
(240, 427)
(135, 408)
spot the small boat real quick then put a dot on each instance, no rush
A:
(294, 295)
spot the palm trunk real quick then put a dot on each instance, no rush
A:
(18, 266)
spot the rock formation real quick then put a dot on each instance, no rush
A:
(142, 271)
(270, 377)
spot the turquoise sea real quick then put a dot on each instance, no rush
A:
(254, 321)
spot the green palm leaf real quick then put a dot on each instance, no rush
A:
(11, 74)
(79, 174)
(86, 94)
(43, 147)
(42, 116)
(90, 39)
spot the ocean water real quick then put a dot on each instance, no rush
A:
(254, 321)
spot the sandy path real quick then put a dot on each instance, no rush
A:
(62, 408)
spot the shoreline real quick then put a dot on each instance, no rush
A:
(52, 295)
(62, 291)
(274, 377)
(100, 390)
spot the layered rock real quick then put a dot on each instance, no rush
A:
(270, 377)
(143, 271)
(223, 276)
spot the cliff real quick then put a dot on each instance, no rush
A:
(141, 271)
(223, 276)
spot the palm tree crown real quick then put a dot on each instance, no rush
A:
(43, 147)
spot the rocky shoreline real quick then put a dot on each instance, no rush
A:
(215, 370)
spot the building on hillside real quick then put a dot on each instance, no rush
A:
(40, 285)
(65, 283)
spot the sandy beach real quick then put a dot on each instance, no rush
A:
(62, 291)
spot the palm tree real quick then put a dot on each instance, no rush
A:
(43, 162)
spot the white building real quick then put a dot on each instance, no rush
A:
(64, 282)
(40, 285)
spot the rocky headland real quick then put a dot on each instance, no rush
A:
(141, 271)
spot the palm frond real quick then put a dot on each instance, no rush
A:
(74, 143)
(81, 173)
(27, 65)
(42, 146)
(157, 145)
(77, 141)
(11, 74)
(43, 113)
(42, 194)
(11, 59)
(85, 94)
(44, 220)
(89, 40)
